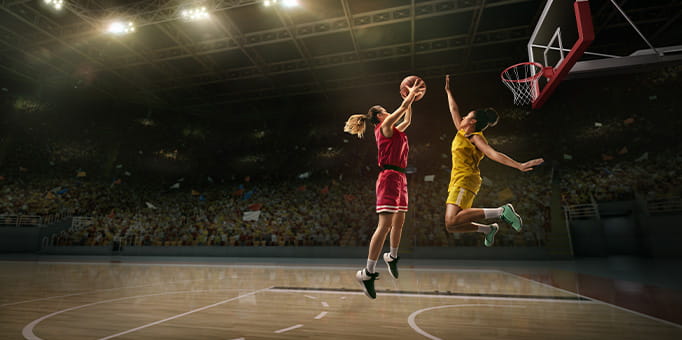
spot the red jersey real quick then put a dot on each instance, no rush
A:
(392, 151)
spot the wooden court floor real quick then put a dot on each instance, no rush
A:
(104, 300)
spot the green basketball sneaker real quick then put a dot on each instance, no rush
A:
(490, 236)
(510, 216)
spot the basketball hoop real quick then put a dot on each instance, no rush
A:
(522, 80)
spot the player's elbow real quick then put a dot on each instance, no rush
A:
(497, 157)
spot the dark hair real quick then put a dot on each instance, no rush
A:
(484, 118)
(373, 112)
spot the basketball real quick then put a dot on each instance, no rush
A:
(407, 82)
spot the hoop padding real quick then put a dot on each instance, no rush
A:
(522, 80)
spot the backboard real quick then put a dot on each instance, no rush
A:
(562, 35)
(558, 50)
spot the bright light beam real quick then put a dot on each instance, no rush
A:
(194, 14)
(56, 4)
(120, 28)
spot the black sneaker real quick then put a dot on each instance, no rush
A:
(392, 264)
(366, 280)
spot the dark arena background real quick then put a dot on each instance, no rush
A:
(175, 169)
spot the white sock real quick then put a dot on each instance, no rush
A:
(492, 212)
(371, 266)
(482, 228)
(394, 253)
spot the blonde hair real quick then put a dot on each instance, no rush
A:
(356, 125)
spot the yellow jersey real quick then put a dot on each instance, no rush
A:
(465, 159)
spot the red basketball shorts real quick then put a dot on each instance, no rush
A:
(391, 192)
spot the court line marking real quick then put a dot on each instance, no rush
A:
(670, 323)
(27, 331)
(183, 314)
(433, 296)
(278, 266)
(41, 299)
(288, 328)
(471, 294)
(96, 290)
(413, 324)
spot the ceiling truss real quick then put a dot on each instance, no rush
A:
(80, 37)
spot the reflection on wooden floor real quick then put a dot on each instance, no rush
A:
(42, 300)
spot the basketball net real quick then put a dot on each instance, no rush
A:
(522, 80)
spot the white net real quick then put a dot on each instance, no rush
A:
(522, 80)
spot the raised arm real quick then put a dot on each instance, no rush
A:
(452, 104)
(407, 119)
(501, 158)
(389, 122)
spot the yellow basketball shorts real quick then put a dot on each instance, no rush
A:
(461, 197)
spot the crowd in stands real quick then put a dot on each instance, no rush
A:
(612, 153)
(651, 176)
(324, 209)
(318, 211)
(293, 213)
(336, 212)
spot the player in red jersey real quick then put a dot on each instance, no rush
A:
(391, 185)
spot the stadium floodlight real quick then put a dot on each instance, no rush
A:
(56, 4)
(120, 28)
(193, 14)
(284, 3)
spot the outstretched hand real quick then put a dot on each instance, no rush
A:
(447, 82)
(528, 166)
(416, 86)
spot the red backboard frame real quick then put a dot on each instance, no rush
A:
(583, 17)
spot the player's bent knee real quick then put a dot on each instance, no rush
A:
(450, 221)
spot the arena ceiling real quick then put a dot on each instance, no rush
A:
(248, 51)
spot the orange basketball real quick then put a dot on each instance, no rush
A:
(409, 81)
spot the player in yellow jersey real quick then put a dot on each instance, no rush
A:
(468, 148)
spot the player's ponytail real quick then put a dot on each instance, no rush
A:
(356, 124)
(485, 118)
